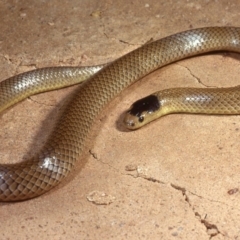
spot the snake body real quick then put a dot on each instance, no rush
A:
(65, 144)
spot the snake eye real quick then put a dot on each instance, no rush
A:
(141, 119)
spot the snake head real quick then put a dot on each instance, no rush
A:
(142, 112)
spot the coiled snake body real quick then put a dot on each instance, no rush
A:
(63, 148)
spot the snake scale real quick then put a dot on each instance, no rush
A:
(67, 141)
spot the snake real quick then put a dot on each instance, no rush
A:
(69, 137)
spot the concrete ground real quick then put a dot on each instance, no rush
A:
(177, 178)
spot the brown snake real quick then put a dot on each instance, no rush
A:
(65, 144)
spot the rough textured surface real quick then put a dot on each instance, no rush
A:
(177, 177)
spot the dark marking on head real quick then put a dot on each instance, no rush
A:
(148, 104)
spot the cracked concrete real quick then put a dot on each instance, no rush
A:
(212, 229)
(175, 178)
(195, 77)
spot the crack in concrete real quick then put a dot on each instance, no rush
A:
(212, 229)
(94, 155)
(119, 40)
(140, 174)
(40, 103)
(194, 76)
